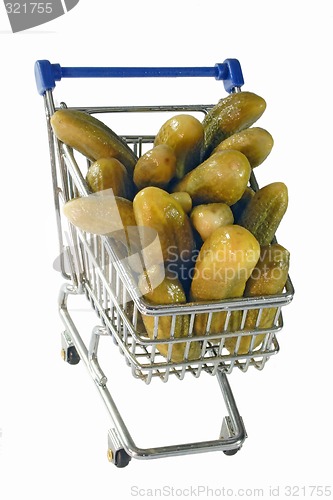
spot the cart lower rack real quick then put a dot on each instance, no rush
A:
(93, 266)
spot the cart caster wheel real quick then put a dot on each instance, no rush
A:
(120, 458)
(229, 453)
(116, 452)
(71, 356)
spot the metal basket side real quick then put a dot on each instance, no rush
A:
(219, 348)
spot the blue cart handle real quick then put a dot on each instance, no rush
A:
(46, 74)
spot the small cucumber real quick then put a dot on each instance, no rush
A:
(222, 178)
(155, 168)
(223, 266)
(91, 137)
(156, 209)
(264, 212)
(255, 143)
(184, 134)
(231, 114)
(110, 173)
(268, 278)
(169, 291)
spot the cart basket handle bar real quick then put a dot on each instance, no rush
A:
(46, 74)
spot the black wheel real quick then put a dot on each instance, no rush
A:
(122, 459)
(229, 453)
(73, 357)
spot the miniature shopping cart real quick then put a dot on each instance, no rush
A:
(91, 267)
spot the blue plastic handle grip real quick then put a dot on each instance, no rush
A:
(46, 74)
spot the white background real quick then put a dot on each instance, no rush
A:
(54, 425)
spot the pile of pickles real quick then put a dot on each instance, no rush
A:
(216, 234)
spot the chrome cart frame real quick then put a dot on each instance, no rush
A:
(90, 265)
